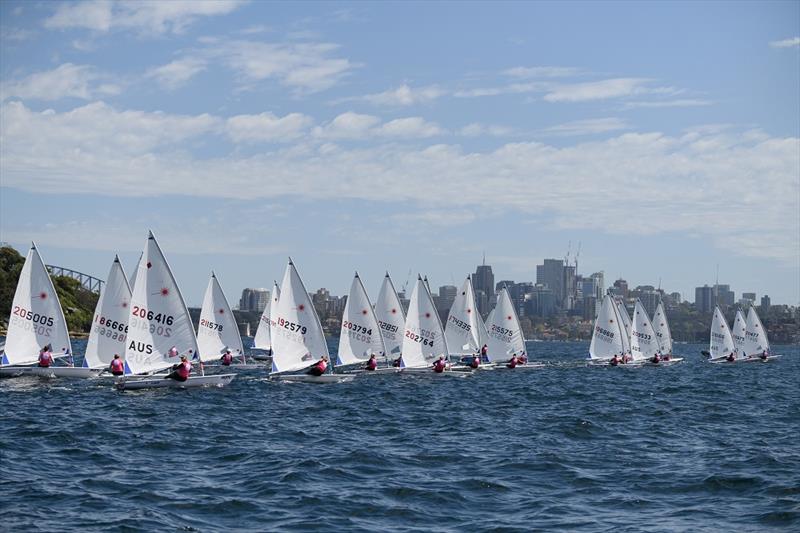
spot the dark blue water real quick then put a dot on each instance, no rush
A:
(691, 447)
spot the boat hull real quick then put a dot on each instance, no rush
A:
(217, 380)
(307, 378)
(52, 372)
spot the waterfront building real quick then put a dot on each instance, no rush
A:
(254, 300)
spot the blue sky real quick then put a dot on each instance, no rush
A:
(664, 137)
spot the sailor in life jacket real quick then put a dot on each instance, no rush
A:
(173, 352)
(372, 363)
(614, 360)
(117, 367)
(764, 355)
(181, 371)
(397, 362)
(319, 367)
(439, 365)
(523, 359)
(476, 360)
(227, 358)
(45, 357)
(731, 358)
(484, 353)
(513, 362)
(656, 358)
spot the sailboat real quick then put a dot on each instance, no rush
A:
(505, 332)
(36, 321)
(159, 328)
(738, 332)
(661, 327)
(423, 341)
(644, 340)
(360, 336)
(463, 328)
(217, 330)
(608, 336)
(756, 343)
(391, 318)
(721, 344)
(263, 338)
(110, 324)
(297, 337)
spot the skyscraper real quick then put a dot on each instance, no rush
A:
(551, 275)
(483, 283)
(704, 299)
(254, 300)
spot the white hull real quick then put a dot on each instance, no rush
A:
(527, 366)
(384, 370)
(307, 378)
(672, 361)
(218, 380)
(52, 372)
(237, 366)
(744, 360)
(429, 372)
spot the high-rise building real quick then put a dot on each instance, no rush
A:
(254, 300)
(725, 296)
(600, 284)
(704, 299)
(540, 301)
(620, 289)
(570, 288)
(765, 304)
(550, 274)
(447, 295)
(483, 282)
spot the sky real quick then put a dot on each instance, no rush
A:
(663, 139)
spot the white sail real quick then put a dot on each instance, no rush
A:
(262, 340)
(36, 318)
(661, 327)
(297, 338)
(391, 318)
(739, 334)
(463, 323)
(132, 281)
(110, 324)
(505, 333)
(360, 336)
(756, 341)
(423, 340)
(607, 337)
(273, 310)
(644, 342)
(483, 335)
(217, 329)
(158, 319)
(721, 338)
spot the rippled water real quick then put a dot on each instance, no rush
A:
(691, 447)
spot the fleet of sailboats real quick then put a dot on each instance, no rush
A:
(148, 322)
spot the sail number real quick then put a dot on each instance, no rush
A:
(111, 324)
(421, 338)
(291, 326)
(163, 318)
(502, 331)
(36, 318)
(356, 328)
(211, 325)
(642, 336)
(388, 327)
(460, 323)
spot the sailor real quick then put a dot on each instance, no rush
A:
(372, 363)
(45, 357)
(627, 358)
(439, 365)
(396, 363)
(764, 355)
(117, 367)
(484, 353)
(513, 362)
(319, 367)
(173, 352)
(227, 358)
(614, 360)
(731, 358)
(180, 371)
(656, 358)
(476, 361)
(523, 359)
(667, 357)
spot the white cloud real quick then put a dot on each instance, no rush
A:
(306, 67)
(410, 128)
(405, 96)
(65, 81)
(348, 125)
(178, 72)
(542, 72)
(684, 102)
(786, 43)
(477, 129)
(513, 88)
(266, 127)
(142, 16)
(680, 181)
(588, 127)
(604, 89)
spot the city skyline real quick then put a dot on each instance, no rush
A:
(408, 138)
